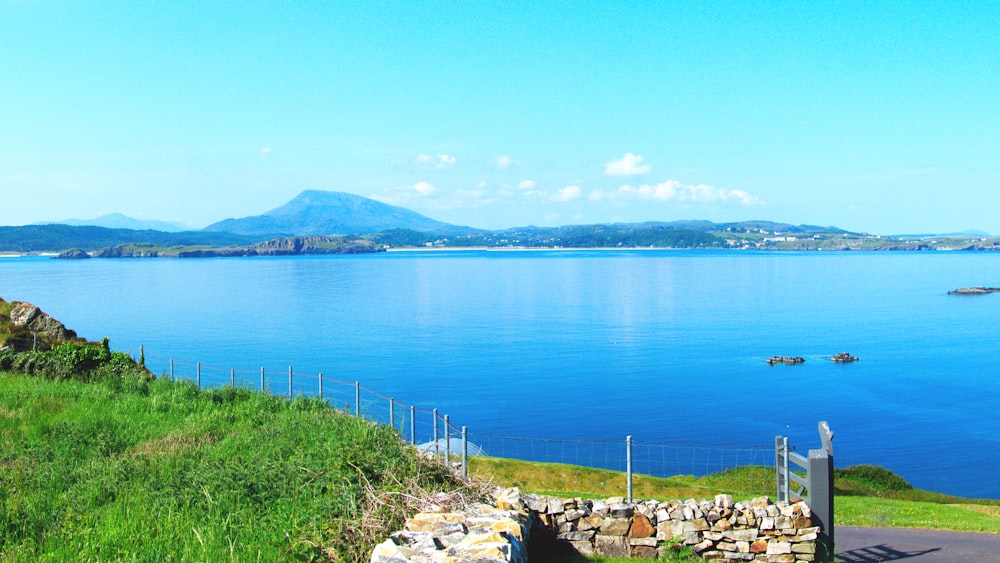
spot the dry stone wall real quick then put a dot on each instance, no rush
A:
(717, 530)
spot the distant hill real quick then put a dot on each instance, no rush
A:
(314, 212)
(119, 221)
(56, 238)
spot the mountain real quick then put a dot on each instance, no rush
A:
(119, 221)
(314, 212)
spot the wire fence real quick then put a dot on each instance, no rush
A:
(431, 430)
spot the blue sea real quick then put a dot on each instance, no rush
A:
(667, 346)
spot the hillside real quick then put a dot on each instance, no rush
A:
(120, 221)
(315, 212)
(57, 238)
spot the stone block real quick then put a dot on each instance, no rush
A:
(702, 546)
(649, 542)
(803, 548)
(574, 514)
(611, 546)
(577, 536)
(778, 547)
(615, 526)
(556, 506)
(747, 535)
(644, 552)
(759, 546)
(669, 529)
(724, 501)
(783, 558)
(641, 527)
(622, 510)
(589, 522)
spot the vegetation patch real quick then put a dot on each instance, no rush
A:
(200, 475)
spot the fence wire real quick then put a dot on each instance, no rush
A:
(434, 431)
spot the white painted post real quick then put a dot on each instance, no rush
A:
(628, 464)
(437, 450)
(392, 413)
(465, 452)
(413, 425)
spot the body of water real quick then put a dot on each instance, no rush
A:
(665, 346)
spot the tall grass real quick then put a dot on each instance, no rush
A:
(124, 469)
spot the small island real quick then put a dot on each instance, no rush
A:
(786, 360)
(843, 358)
(978, 290)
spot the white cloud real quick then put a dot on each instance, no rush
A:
(672, 190)
(569, 193)
(504, 162)
(628, 165)
(266, 150)
(424, 188)
(435, 162)
(527, 184)
(596, 195)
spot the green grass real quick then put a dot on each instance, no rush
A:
(124, 469)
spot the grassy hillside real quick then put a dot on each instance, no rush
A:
(125, 468)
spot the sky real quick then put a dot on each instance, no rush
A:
(874, 117)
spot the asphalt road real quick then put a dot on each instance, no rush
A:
(869, 545)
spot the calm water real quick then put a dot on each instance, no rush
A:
(662, 345)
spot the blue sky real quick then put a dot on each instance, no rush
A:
(878, 117)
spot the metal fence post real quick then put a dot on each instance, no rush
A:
(447, 442)
(172, 378)
(232, 378)
(392, 413)
(413, 425)
(357, 399)
(198, 371)
(320, 386)
(465, 452)
(781, 468)
(289, 382)
(628, 464)
(437, 450)
(262, 378)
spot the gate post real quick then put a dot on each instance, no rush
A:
(820, 485)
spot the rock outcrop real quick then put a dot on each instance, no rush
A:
(31, 327)
(73, 254)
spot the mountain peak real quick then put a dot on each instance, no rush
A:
(317, 212)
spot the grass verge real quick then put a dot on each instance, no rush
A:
(123, 469)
